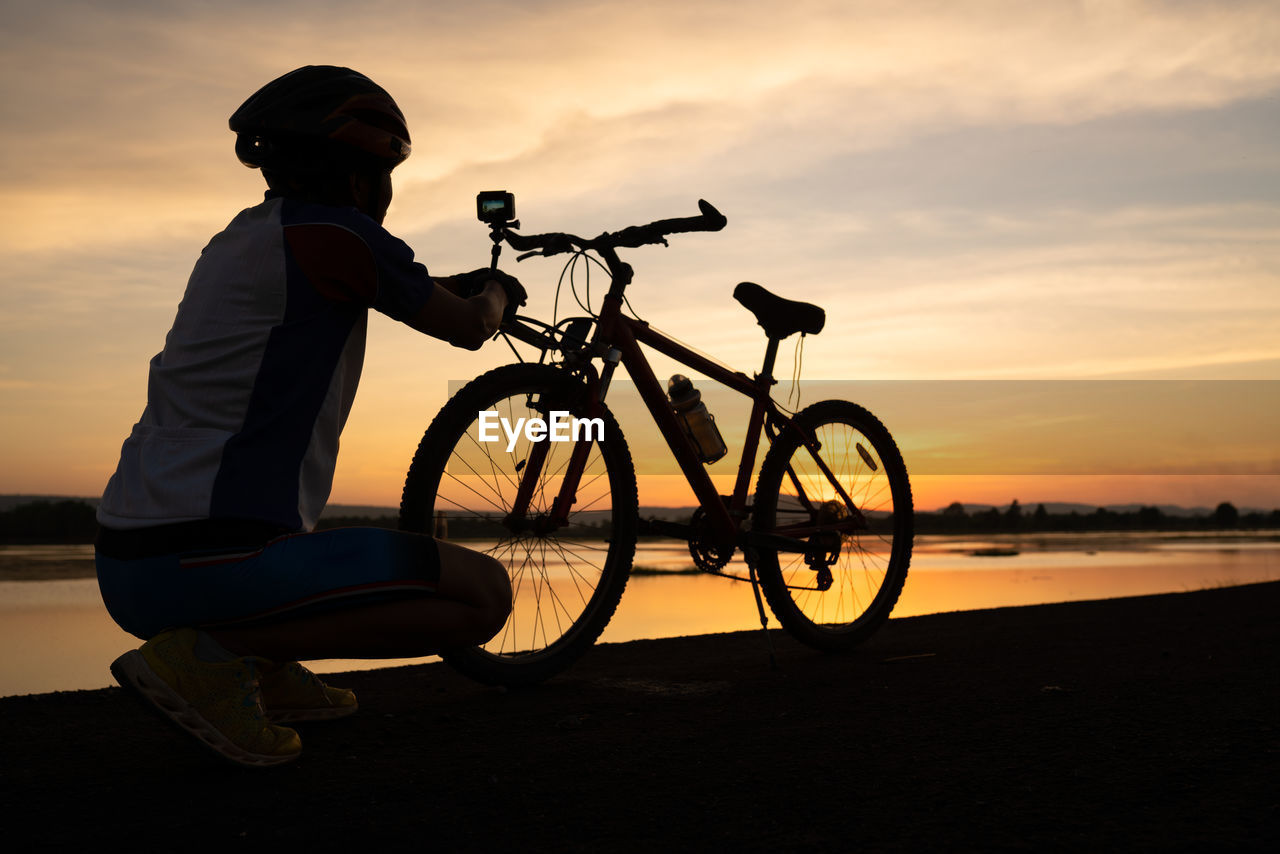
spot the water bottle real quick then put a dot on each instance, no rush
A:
(698, 424)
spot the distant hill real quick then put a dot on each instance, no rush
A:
(370, 511)
(8, 502)
(374, 511)
(57, 522)
(1058, 508)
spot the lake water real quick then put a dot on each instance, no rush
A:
(56, 635)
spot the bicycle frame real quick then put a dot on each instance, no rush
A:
(617, 339)
(563, 522)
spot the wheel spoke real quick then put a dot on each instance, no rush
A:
(565, 583)
(871, 562)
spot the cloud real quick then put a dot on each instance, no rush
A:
(130, 95)
(969, 189)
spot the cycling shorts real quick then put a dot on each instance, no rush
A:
(285, 577)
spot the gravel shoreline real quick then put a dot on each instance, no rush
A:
(1148, 722)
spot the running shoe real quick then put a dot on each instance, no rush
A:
(291, 692)
(217, 702)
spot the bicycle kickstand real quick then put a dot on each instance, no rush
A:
(764, 619)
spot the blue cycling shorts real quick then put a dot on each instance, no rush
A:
(288, 576)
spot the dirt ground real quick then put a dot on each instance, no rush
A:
(1150, 722)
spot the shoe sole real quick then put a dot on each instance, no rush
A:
(132, 672)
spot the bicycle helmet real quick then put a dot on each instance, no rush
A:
(318, 118)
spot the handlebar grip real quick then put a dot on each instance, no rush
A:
(709, 220)
(655, 232)
(713, 218)
(553, 241)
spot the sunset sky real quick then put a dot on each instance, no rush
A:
(972, 191)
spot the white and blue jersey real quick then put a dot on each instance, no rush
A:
(247, 400)
(233, 458)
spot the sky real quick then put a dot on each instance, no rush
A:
(972, 190)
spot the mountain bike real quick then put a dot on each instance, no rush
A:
(826, 536)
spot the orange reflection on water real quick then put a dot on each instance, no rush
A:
(59, 647)
(676, 605)
(56, 635)
(1079, 576)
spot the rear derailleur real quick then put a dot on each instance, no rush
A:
(825, 546)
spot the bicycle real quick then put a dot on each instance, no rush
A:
(827, 537)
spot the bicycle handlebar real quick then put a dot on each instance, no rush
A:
(554, 243)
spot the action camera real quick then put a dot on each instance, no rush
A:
(496, 207)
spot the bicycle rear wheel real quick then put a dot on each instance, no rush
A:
(566, 582)
(839, 605)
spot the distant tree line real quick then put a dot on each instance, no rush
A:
(455, 526)
(1014, 519)
(67, 521)
(357, 522)
(71, 521)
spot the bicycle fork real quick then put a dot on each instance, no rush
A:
(531, 470)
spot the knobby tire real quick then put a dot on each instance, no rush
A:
(566, 583)
(871, 569)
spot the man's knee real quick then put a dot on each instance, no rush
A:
(495, 590)
(477, 580)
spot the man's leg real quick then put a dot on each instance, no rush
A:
(214, 684)
(470, 605)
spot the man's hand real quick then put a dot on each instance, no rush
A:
(476, 280)
(492, 306)
(462, 315)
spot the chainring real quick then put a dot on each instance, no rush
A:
(707, 556)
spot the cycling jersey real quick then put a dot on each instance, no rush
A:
(247, 399)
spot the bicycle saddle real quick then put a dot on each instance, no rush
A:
(779, 317)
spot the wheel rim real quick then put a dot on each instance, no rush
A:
(556, 577)
(861, 571)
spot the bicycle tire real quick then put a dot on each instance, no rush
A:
(565, 585)
(871, 569)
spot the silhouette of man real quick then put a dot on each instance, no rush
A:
(206, 549)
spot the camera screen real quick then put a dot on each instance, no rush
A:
(496, 206)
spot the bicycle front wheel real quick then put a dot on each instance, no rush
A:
(836, 602)
(566, 581)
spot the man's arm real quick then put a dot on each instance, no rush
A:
(463, 322)
(455, 284)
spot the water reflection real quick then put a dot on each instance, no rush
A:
(57, 636)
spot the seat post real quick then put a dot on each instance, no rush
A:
(770, 356)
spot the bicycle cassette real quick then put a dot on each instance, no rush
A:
(825, 546)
